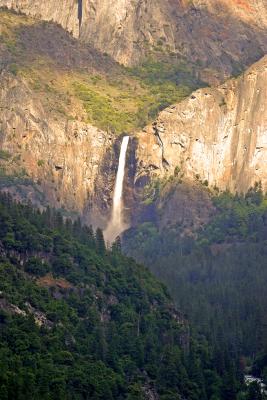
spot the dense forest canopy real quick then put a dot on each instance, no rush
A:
(219, 276)
(79, 321)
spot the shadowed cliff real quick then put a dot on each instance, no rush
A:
(222, 37)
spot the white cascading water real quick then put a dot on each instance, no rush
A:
(117, 224)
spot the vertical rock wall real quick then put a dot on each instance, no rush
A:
(63, 12)
(220, 36)
(63, 157)
(218, 135)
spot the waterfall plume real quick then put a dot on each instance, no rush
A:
(117, 223)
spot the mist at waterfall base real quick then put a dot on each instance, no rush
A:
(117, 224)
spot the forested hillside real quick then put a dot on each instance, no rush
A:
(79, 321)
(217, 276)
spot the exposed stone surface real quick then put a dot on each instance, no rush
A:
(10, 308)
(39, 317)
(62, 156)
(218, 135)
(216, 34)
(64, 12)
(184, 206)
(219, 35)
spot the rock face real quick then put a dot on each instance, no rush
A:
(215, 34)
(64, 12)
(220, 36)
(218, 135)
(62, 157)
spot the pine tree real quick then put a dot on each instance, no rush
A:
(254, 392)
(100, 241)
(116, 245)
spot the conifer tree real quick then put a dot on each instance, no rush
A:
(100, 241)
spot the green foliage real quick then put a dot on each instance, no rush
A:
(113, 97)
(100, 241)
(152, 190)
(158, 72)
(13, 68)
(177, 171)
(254, 392)
(168, 83)
(121, 107)
(36, 266)
(40, 163)
(4, 155)
(14, 178)
(101, 112)
(107, 327)
(218, 278)
(239, 217)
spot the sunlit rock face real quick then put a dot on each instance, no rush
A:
(62, 157)
(249, 11)
(64, 12)
(220, 36)
(218, 135)
(216, 34)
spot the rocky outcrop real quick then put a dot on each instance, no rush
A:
(64, 12)
(39, 317)
(217, 136)
(61, 156)
(219, 36)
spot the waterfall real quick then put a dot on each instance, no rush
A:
(117, 224)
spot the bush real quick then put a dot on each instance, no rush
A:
(36, 266)
(4, 155)
(13, 68)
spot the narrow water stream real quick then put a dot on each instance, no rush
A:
(117, 223)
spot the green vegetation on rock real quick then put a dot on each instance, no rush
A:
(218, 275)
(79, 321)
(89, 86)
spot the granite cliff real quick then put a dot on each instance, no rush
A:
(217, 135)
(51, 152)
(219, 37)
(61, 157)
(64, 105)
(64, 12)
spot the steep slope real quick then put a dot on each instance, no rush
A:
(51, 152)
(218, 274)
(216, 34)
(60, 155)
(217, 135)
(78, 321)
(62, 107)
(220, 36)
(64, 13)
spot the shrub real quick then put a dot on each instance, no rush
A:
(36, 266)
(40, 163)
(4, 155)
